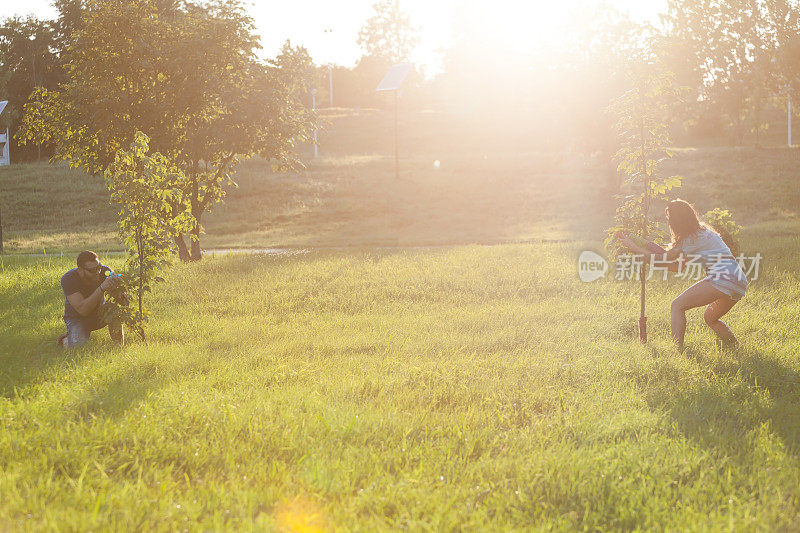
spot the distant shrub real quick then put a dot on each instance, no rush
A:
(722, 222)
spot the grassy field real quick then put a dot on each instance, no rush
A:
(460, 388)
(501, 191)
(464, 388)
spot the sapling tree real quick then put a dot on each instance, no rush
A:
(153, 208)
(641, 124)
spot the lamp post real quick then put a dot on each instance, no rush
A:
(5, 159)
(314, 108)
(33, 76)
(329, 31)
(774, 63)
(789, 116)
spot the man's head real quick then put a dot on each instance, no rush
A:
(88, 265)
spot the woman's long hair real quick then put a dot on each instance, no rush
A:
(683, 221)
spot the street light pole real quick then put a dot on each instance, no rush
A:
(329, 31)
(396, 144)
(5, 157)
(33, 75)
(314, 108)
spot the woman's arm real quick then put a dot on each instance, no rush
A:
(671, 255)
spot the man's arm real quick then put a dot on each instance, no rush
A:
(86, 306)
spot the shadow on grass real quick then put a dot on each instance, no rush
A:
(747, 391)
(32, 320)
(25, 349)
(115, 396)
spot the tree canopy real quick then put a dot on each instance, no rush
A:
(28, 59)
(186, 74)
(388, 34)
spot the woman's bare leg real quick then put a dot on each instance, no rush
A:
(700, 294)
(714, 312)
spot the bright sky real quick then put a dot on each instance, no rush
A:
(522, 24)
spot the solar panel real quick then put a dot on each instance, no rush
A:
(394, 77)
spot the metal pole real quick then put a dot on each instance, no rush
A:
(314, 108)
(330, 82)
(5, 150)
(329, 31)
(33, 72)
(789, 117)
(396, 149)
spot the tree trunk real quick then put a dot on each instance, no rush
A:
(197, 253)
(645, 209)
(612, 177)
(183, 251)
(197, 211)
(140, 292)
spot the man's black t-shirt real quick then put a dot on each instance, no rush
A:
(72, 282)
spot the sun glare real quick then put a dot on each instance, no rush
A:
(518, 26)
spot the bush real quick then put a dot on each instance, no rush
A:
(722, 222)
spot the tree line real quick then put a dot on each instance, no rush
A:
(185, 73)
(739, 59)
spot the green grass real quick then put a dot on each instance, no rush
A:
(460, 388)
(464, 388)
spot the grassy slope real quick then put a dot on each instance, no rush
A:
(439, 389)
(498, 191)
(424, 389)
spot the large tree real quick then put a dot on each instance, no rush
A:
(783, 17)
(28, 59)
(186, 74)
(388, 34)
(730, 46)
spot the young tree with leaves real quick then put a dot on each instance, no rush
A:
(153, 209)
(643, 130)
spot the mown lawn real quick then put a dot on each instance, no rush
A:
(467, 388)
(460, 388)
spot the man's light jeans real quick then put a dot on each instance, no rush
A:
(79, 329)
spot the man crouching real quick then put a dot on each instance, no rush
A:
(84, 289)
